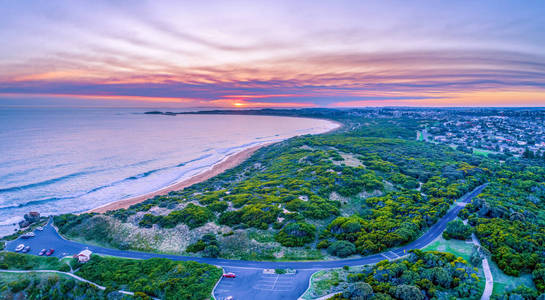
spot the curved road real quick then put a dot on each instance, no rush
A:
(50, 238)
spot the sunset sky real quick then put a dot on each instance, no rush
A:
(273, 53)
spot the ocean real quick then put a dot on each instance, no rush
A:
(70, 160)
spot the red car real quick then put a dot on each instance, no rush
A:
(49, 252)
(229, 275)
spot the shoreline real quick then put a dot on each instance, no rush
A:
(227, 163)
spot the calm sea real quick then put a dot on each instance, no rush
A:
(59, 160)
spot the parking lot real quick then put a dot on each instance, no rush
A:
(255, 284)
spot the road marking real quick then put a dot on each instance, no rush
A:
(395, 255)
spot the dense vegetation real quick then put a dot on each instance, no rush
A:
(156, 277)
(509, 218)
(51, 286)
(422, 275)
(16, 261)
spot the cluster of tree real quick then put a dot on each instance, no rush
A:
(422, 275)
(508, 218)
(457, 230)
(156, 277)
(208, 244)
(192, 215)
(51, 286)
(17, 261)
(296, 234)
(521, 292)
(393, 219)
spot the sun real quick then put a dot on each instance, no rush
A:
(238, 104)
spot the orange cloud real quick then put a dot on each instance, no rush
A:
(251, 104)
(106, 97)
(469, 99)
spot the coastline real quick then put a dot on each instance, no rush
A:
(227, 163)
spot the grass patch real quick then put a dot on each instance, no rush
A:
(261, 236)
(456, 247)
(482, 152)
(504, 282)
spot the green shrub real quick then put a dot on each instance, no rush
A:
(323, 244)
(457, 230)
(296, 234)
(341, 248)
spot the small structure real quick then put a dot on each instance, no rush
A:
(32, 217)
(84, 256)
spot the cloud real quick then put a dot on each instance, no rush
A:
(305, 53)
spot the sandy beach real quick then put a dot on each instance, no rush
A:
(228, 163)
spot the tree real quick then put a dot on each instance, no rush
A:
(408, 292)
(341, 248)
(457, 230)
(296, 234)
(359, 291)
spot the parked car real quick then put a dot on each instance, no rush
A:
(19, 247)
(42, 252)
(50, 251)
(229, 298)
(28, 235)
(39, 228)
(229, 275)
(26, 249)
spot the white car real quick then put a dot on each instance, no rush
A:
(20, 247)
(39, 228)
(28, 235)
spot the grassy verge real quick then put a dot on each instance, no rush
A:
(504, 282)
(16, 261)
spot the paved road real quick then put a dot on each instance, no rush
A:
(49, 238)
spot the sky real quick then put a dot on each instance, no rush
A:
(272, 53)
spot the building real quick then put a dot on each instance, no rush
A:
(84, 256)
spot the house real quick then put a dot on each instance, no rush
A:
(84, 256)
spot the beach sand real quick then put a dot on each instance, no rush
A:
(228, 163)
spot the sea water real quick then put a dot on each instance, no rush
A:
(69, 160)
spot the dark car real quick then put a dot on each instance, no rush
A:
(42, 252)
(26, 249)
(49, 252)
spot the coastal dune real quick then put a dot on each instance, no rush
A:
(228, 163)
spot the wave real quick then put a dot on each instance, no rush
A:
(34, 202)
(65, 177)
(10, 221)
(45, 182)
(53, 199)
